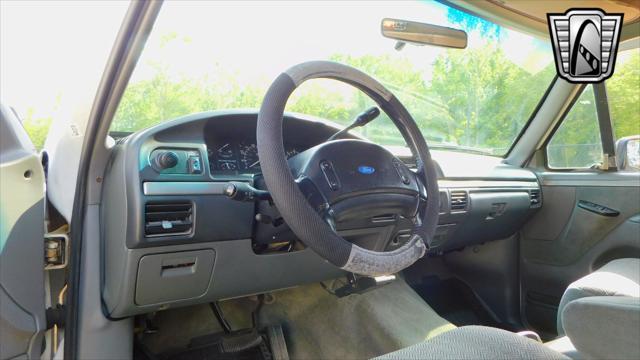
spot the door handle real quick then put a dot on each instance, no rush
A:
(598, 209)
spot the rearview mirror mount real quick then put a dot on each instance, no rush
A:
(422, 34)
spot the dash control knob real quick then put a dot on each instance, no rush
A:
(166, 160)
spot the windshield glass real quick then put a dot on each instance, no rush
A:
(215, 55)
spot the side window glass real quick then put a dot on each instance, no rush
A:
(624, 106)
(576, 144)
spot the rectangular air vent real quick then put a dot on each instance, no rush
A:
(459, 200)
(164, 219)
(534, 196)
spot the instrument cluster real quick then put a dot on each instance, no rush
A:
(238, 157)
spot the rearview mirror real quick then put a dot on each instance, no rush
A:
(628, 153)
(423, 34)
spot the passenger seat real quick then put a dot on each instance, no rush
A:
(619, 277)
(600, 313)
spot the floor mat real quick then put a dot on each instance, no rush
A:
(454, 301)
(318, 325)
(212, 349)
(176, 328)
(213, 353)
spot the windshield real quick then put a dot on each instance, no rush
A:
(214, 55)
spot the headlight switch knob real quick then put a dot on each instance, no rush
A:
(165, 160)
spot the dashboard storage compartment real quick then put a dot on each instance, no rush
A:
(491, 216)
(173, 276)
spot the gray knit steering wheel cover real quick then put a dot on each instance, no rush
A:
(292, 204)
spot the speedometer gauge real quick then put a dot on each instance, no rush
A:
(249, 156)
(225, 151)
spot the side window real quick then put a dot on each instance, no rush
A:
(623, 95)
(576, 144)
(624, 104)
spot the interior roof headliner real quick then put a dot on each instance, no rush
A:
(531, 15)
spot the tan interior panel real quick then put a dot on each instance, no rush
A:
(537, 10)
(531, 15)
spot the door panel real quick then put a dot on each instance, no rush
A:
(564, 241)
(22, 298)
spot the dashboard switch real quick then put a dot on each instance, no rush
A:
(166, 160)
(195, 165)
(330, 175)
(242, 191)
(404, 176)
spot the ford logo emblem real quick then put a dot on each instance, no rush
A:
(367, 170)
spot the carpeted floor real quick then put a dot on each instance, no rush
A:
(316, 324)
(454, 301)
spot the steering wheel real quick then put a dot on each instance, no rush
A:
(341, 179)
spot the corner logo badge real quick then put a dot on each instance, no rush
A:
(585, 42)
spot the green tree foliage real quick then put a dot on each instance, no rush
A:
(488, 97)
(161, 98)
(623, 90)
(36, 127)
(577, 141)
(476, 98)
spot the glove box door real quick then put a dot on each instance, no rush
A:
(170, 277)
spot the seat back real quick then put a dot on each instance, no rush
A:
(600, 313)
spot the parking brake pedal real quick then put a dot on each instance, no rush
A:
(361, 284)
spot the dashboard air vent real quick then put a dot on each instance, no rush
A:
(170, 218)
(459, 200)
(534, 196)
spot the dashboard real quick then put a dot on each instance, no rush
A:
(171, 237)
